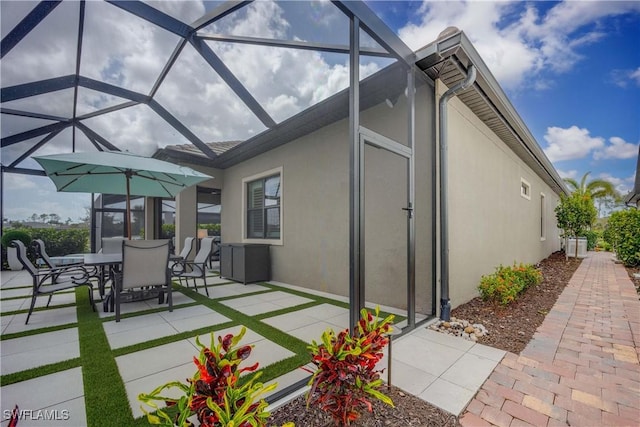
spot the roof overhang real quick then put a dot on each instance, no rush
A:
(448, 59)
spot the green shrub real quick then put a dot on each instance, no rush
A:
(63, 242)
(592, 238)
(16, 234)
(168, 231)
(213, 229)
(623, 234)
(507, 283)
(10, 235)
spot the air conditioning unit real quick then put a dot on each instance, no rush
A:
(582, 247)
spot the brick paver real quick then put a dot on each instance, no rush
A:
(581, 367)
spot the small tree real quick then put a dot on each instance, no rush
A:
(575, 214)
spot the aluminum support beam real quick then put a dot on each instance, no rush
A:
(94, 137)
(40, 87)
(112, 90)
(232, 81)
(154, 16)
(293, 44)
(32, 115)
(177, 125)
(218, 13)
(78, 58)
(32, 133)
(27, 24)
(377, 29)
(411, 175)
(356, 182)
(23, 171)
(167, 67)
(108, 110)
(34, 148)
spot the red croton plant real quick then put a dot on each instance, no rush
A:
(346, 376)
(214, 394)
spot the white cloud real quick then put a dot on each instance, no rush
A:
(623, 78)
(617, 149)
(570, 174)
(622, 185)
(518, 42)
(571, 143)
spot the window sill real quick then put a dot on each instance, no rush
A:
(274, 242)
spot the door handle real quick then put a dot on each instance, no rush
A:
(409, 210)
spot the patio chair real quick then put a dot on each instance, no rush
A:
(111, 245)
(184, 255)
(41, 252)
(50, 281)
(144, 264)
(196, 269)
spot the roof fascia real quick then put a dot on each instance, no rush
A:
(377, 29)
(497, 95)
(634, 195)
(460, 47)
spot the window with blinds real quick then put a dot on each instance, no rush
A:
(263, 208)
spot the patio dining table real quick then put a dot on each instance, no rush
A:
(113, 261)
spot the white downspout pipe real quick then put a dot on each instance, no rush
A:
(445, 303)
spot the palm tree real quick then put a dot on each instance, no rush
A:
(598, 189)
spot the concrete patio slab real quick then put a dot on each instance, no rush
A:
(39, 319)
(28, 352)
(61, 392)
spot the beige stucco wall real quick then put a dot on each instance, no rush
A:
(315, 205)
(315, 201)
(490, 223)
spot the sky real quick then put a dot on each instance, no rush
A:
(571, 69)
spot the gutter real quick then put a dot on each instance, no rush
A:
(445, 303)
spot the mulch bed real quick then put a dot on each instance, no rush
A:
(510, 328)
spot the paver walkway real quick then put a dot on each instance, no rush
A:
(581, 367)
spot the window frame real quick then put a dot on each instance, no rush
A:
(245, 208)
(543, 217)
(526, 194)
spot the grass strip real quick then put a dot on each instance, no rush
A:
(104, 392)
(31, 373)
(37, 331)
(26, 310)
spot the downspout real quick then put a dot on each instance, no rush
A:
(445, 303)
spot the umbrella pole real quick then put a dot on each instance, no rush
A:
(128, 175)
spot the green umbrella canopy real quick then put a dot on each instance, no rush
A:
(107, 172)
(115, 172)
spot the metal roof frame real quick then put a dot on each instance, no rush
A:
(392, 47)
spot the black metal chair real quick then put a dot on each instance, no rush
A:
(196, 269)
(49, 281)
